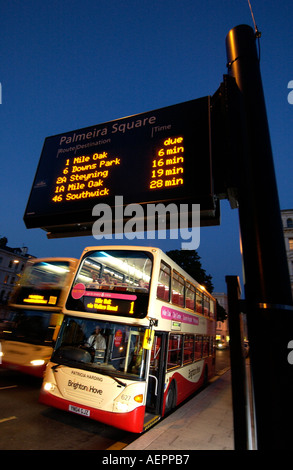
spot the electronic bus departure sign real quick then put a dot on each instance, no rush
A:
(158, 156)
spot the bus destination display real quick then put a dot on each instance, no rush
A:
(161, 155)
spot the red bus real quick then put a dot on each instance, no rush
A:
(136, 340)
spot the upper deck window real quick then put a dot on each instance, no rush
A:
(113, 282)
(41, 284)
(45, 274)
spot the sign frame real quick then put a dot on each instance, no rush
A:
(125, 157)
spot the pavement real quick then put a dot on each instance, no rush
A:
(205, 422)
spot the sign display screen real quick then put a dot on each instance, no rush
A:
(158, 156)
(112, 303)
(50, 299)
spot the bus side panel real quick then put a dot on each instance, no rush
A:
(35, 371)
(132, 421)
(20, 356)
(187, 380)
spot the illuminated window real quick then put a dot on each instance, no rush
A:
(190, 296)
(199, 302)
(206, 303)
(163, 288)
(205, 349)
(212, 309)
(174, 351)
(198, 347)
(178, 289)
(188, 349)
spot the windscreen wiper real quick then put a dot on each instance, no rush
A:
(113, 377)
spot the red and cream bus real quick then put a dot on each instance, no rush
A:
(137, 338)
(30, 326)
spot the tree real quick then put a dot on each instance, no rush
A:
(3, 241)
(189, 260)
(221, 313)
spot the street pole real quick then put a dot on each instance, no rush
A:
(238, 376)
(267, 284)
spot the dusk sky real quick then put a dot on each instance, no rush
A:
(67, 65)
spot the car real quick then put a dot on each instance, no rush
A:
(221, 344)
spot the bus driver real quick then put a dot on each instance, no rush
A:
(96, 340)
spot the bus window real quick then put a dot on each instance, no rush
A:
(188, 349)
(136, 353)
(178, 289)
(113, 282)
(212, 309)
(89, 273)
(190, 296)
(42, 283)
(198, 347)
(199, 302)
(205, 349)
(155, 353)
(206, 303)
(30, 326)
(174, 351)
(115, 270)
(163, 288)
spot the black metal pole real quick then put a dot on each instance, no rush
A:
(267, 283)
(238, 377)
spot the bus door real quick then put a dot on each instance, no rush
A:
(135, 353)
(156, 374)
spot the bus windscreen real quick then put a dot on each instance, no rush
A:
(100, 346)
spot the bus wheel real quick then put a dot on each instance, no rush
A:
(171, 398)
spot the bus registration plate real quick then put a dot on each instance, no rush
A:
(79, 411)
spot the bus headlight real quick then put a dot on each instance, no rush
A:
(48, 386)
(126, 403)
(120, 407)
(37, 362)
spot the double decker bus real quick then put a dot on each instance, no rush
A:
(30, 326)
(136, 340)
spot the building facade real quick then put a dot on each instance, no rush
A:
(12, 263)
(287, 219)
(222, 329)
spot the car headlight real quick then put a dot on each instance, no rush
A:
(37, 362)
